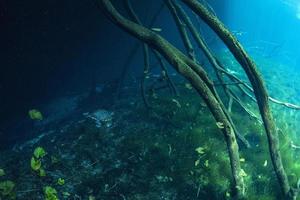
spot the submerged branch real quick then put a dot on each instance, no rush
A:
(165, 73)
(132, 54)
(135, 18)
(182, 30)
(250, 89)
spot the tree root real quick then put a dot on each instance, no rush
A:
(258, 86)
(197, 77)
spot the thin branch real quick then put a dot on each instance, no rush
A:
(135, 18)
(165, 72)
(133, 52)
(182, 30)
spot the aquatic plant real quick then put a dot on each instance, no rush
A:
(50, 193)
(60, 181)
(205, 144)
(39, 152)
(42, 172)
(7, 190)
(36, 161)
(35, 164)
(191, 71)
(199, 80)
(35, 114)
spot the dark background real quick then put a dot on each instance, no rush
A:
(52, 48)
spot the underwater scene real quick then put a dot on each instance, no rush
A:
(150, 100)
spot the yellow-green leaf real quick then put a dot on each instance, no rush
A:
(42, 172)
(200, 150)
(39, 152)
(35, 114)
(35, 164)
(61, 181)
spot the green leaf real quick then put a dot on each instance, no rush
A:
(35, 164)
(39, 152)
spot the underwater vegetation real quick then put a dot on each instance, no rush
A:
(219, 129)
(143, 155)
(186, 66)
(35, 114)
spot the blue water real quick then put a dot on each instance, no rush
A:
(83, 75)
